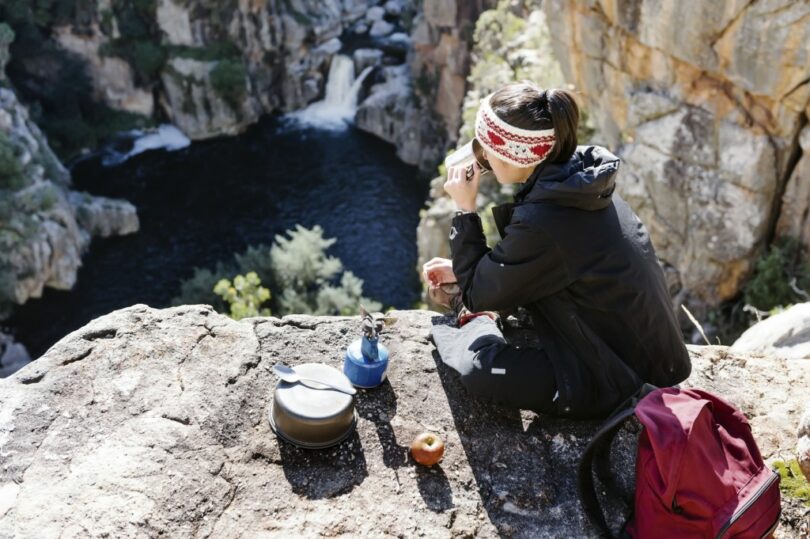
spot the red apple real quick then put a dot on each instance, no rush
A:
(427, 448)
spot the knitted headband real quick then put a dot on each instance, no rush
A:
(519, 147)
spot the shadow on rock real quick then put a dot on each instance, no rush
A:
(324, 473)
(525, 464)
(379, 405)
(434, 488)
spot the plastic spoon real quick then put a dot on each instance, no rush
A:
(289, 375)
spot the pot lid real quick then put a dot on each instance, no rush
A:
(311, 401)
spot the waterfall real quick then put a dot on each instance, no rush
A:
(337, 108)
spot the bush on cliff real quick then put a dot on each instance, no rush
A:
(11, 172)
(245, 295)
(302, 277)
(228, 79)
(199, 288)
(781, 277)
(782, 264)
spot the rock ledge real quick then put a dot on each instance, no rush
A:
(154, 421)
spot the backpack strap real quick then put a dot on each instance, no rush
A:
(587, 492)
(598, 450)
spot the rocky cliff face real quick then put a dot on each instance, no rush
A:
(418, 108)
(213, 68)
(45, 226)
(708, 106)
(150, 422)
(219, 64)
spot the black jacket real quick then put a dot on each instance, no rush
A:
(579, 259)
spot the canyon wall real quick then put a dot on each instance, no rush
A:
(213, 68)
(708, 107)
(418, 107)
(220, 65)
(45, 226)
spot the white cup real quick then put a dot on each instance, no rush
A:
(465, 156)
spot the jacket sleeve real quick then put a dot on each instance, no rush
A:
(525, 265)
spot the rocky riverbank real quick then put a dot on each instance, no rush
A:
(45, 226)
(149, 422)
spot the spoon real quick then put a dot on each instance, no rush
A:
(289, 375)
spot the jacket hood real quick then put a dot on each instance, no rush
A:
(586, 181)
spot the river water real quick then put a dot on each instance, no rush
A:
(202, 203)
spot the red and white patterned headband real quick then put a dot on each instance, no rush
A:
(519, 147)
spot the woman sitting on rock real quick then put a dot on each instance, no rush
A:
(572, 252)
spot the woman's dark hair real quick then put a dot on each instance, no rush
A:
(526, 106)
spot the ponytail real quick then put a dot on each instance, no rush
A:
(565, 119)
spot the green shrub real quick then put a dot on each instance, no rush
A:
(257, 258)
(11, 171)
(139, 42)
(38, 199)
(148, 59)
(769, 286)
(305, 279)
(768, 289)
(144, 56)
(228, 80)
(219, 50)
(106, 19)
(793, 483)
(6, 38)
(68, 133)
(71, 130)
(136, 18)
(7, 211)
(199, 288)
(304, 272)
(43, 13)
(245, 295)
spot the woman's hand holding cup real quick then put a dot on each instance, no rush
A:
(463, 191)
(438, 273)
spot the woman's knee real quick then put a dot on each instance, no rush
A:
(513, 376)
(478, 379)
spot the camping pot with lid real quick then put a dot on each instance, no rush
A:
(312, 415)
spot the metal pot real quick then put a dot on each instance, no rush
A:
(311, 415)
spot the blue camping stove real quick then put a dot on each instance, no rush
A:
(366, 361)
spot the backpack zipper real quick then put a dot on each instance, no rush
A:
(745, 507)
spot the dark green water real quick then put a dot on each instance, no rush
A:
(202, 203)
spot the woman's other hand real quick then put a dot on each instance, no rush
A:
(437, 271)
(463, 192)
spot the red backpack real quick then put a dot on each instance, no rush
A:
(699, 472)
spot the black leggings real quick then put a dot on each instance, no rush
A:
(495, 371)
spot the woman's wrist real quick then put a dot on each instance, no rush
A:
(465, 208)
